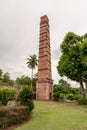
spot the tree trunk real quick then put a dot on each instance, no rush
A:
(82, 89)
(86, 89)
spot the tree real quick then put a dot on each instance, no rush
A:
(23, 80)
(32, 63)
(73, 61)
(62, 87)
(1, 72)
(63, 90)
(6, 78)
(1, 75)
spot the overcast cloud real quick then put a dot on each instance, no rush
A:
(19, 30)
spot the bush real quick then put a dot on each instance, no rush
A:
(56, 96)
(77, 97)
(34, 94)
(61, 96)
(6, 94)
(82, 101)
(70, 97)
(13, 115)
(25, 98)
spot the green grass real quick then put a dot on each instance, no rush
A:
(57, 116)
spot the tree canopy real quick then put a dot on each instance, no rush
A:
(73, 61)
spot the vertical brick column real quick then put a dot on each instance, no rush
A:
(44, 86)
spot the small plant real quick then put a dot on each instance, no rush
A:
(25, 97)
(70, 96)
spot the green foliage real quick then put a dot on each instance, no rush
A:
(74, 91)
(26, 97)
(1, 72)
(69, 41)
(34, 84)
(32, 63)
(82, 101)
(6, 94)
(56, 96)
(62, 96)
(14, 115)
(73, 61)
(23, 80)
(70, 96)
(77, 97)
(5, 79)
(64, 89)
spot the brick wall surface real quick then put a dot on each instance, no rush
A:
(44, 86)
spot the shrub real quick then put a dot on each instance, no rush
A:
(77, 97)
(25, 98)
(82, 101)
(61, 96)
(70, 96)
(0, 94)
(34, 94)
(56, 96)
(6, 94)
(13, 115)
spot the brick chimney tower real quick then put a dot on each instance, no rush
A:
(44, 87)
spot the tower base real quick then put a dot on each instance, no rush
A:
(44, 90)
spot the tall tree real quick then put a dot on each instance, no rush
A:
(1, 72)
(32, 63)
(73, 61)
(1, 76)
(6, 78)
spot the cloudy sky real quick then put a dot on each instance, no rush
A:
(19, 30)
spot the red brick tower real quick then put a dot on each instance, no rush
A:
(44, 86)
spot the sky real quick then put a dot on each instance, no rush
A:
(19, 31)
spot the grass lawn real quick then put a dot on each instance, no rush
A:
(57, 116)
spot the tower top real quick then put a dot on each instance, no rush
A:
(44, 19)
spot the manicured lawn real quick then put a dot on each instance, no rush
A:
(57, 116)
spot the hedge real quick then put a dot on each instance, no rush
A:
(6, 94)
(13, 115)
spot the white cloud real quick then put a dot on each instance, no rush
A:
(19, 30)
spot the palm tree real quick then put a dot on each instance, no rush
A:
(32, 63)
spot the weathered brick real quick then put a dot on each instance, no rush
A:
(44, 88)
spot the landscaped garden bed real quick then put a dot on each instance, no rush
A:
(13, 115)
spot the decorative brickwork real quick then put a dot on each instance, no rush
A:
(44, 86)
